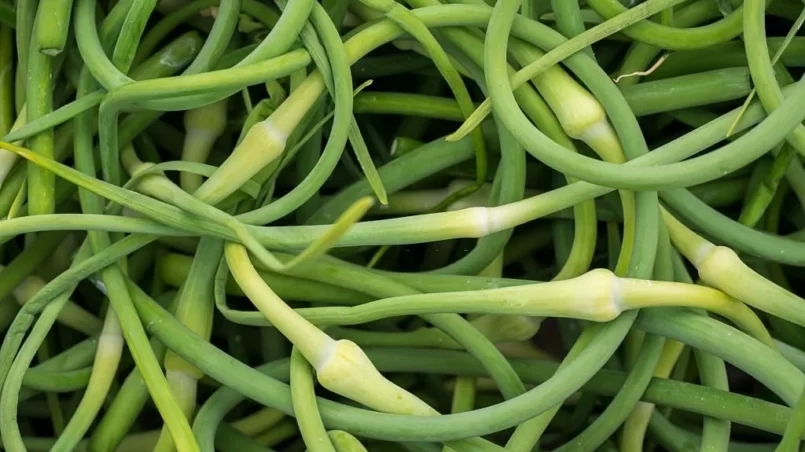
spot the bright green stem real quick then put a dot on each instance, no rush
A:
(7, 113)
(52, 34)
(41, 183)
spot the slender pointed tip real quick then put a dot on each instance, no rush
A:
(367, 202)
(456, 136)
(364, 85)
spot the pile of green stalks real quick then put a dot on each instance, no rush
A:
(402, 225)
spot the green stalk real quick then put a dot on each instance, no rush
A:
(304, 402)
(51, 36)
(39, 89)
(7, 112)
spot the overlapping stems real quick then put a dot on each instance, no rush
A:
(667, 169)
